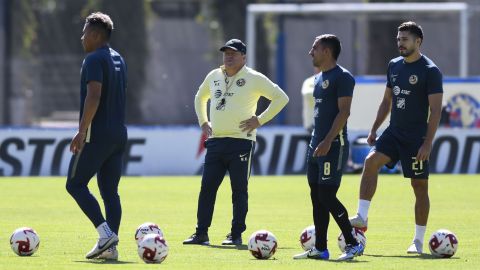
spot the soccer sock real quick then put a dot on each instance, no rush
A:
(321, 218)
(104, 230)
(419, 232)
(363, 206)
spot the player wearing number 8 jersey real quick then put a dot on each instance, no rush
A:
(328, 148)
(413, 96)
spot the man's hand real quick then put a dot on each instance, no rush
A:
(250, 124)
(78, 142)
(424, 151)
(207, 129)
(322, 149)
(372, 138)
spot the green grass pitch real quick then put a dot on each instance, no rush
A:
(279, 204)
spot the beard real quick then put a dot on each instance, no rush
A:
(406, 53)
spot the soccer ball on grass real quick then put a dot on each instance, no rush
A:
(147, 228)
(262, 244)
(307, 238)
(357, 234)
(153, 248)
(443, 244)
(24, 241)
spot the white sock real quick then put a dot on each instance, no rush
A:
(419, 232)
(104, 230)
(363, 206)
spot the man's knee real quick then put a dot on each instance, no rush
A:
(420, 186)
(71, 188)
(374, 162)
(109, 196)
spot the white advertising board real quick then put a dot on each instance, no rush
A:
(178, 151)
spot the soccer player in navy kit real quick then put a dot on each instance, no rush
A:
(328, 149)
(233, 90)
(99, 143)
(413, 96)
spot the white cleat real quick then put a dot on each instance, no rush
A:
(313, 253)
(110, 254)
(102, 245)
(351, 252)
(416, 247)
(357, 221)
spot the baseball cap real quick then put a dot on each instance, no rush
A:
(235, 44)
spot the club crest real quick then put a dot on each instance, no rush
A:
(240, 82)
(325, 84)
(413, 79)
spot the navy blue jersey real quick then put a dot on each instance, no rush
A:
(411, 83)
(106, 66)
(329, 87)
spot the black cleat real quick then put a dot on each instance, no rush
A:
(230, 240)
(197, 239)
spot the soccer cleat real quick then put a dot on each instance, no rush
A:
(416, 247)
(110, 254)
(197, 239)
(352, 251)
(357, 221)
(313, 253)
(237, 241)
(102, 245)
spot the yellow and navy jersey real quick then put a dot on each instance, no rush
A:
(411, 84)
(330, 85)
(234, 99)
(107, 67)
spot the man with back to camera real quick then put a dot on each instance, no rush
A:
(413, 96)
(100, 141)
(329, 147)
(234, 90)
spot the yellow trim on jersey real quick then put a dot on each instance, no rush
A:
(341, 137)
(89, 133)
(429, 113)
(229, 108)
(340, 158)
(75, 163)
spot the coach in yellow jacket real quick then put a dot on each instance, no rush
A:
(234, 90)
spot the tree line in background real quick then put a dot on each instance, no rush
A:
(54, 27)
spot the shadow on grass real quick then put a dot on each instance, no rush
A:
(331, 260)
(105, 262)
(423, 256)
(239, 247)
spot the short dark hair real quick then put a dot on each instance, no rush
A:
(411, 27)
(332, 42)
(100, 21)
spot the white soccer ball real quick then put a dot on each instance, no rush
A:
(357, 234)
(24, 241)
(262, 244)
(153, 248)
(443, 243)
(307, 238)
(147, 228)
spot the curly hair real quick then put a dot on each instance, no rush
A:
(100, 21)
